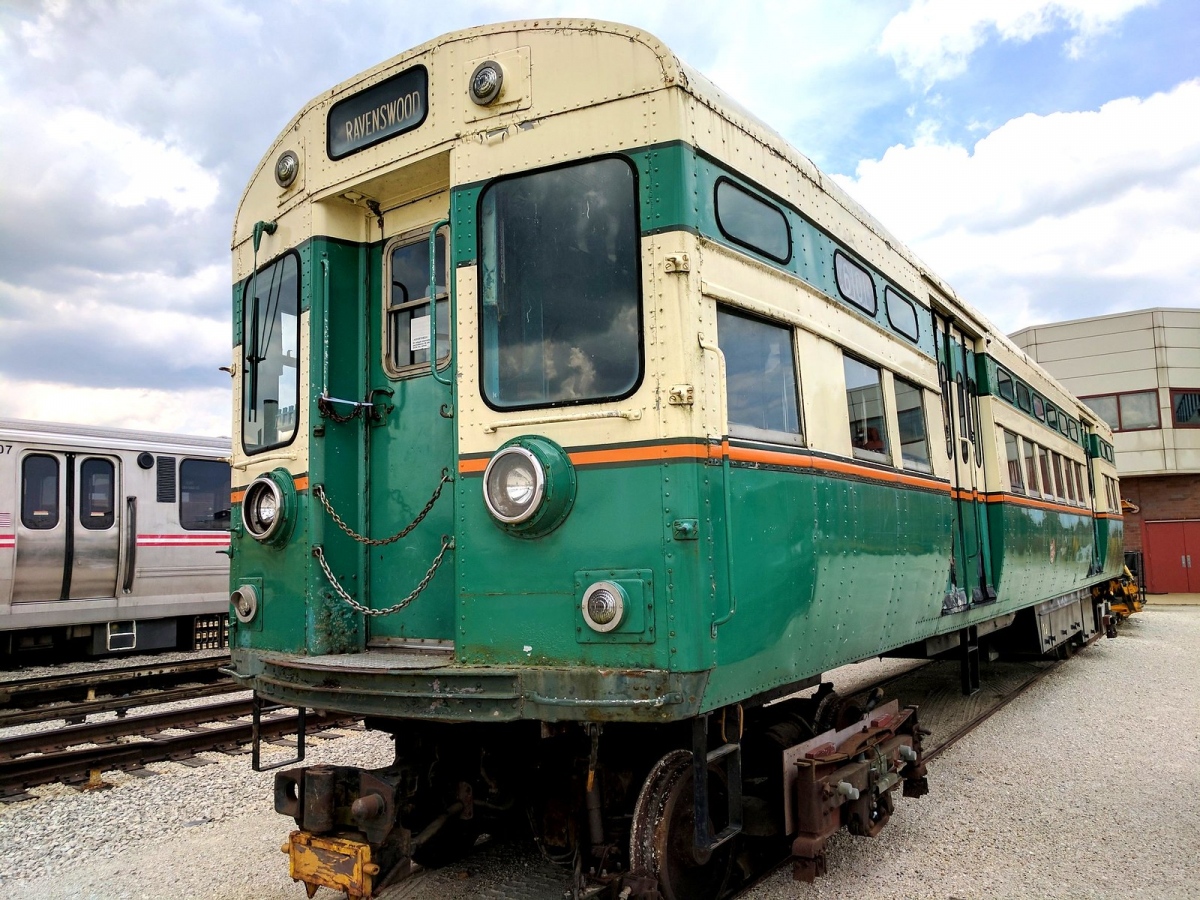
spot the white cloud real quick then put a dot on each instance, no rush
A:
(932, 40)
(1106, 200)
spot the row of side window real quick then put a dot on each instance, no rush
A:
(1035, 471)
(1113, 492)
(763, 394)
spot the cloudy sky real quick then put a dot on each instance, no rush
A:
(1042, 155)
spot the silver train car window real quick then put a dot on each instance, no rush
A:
(204, 487)
(560, 286)
(271, 355)
(39, 492)
(760, 374)
(97, 510)
(752, 222)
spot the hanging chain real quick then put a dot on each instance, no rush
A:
(325, 408)
(319, 491)
(447, 544)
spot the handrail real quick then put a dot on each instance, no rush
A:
(448, 380)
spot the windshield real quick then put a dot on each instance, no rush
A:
(560, 291)
(271, 355)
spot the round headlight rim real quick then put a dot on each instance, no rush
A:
(488, 97)
(539, 484)
(250, 502)
(245, 613)
(287, 168)
(618, 594)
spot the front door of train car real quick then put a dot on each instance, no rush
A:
(68, 527)
(410, 444)
(970, 579)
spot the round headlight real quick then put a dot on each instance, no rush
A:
(486, 81)
(287, 167)
(262, 508)
(513, 485)
(603, 606)
(245, 602)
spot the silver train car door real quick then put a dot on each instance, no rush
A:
(68, 526)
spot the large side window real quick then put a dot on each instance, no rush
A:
(271, 355)
(1044, 468)
(760, 374)
(39, 492)
(753, 222)
(1031, 478)
(559, 286)
(408, 335)
(97, 509)
(910, 416)
(864, 402)
(204, 495)
(1012, 451)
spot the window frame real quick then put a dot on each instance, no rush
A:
(874, 310)
(199, 459)
(884, 457)
(742, 242)
(1120, 426)
(110, 519)
(247, 283)
(1027, 406)
(1038, 401)
(641, 299)
(753, 432)
(912, 465)
(888, 293)
(1015, 485)
(411, 238)
(58, 488)
(1030, 459)
(1003, 376)
(1175, 423)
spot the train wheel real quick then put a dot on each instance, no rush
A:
(662, 840)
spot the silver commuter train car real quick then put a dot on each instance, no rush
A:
(112, 539)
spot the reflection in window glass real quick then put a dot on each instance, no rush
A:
(96, 494)
(1052, 417)
(1023, 397)
(1139, 410)
(204, 502)
(910, 417)
(271, 348)
(1044, 466)
(864, 400)
(855, 283)
(1073, 427)
(753, 222)
(559, 286)
(1031, 479)
(1058, 476)
(408, 303)
(902, 314)
(39, 492)
(1105, 408)
(1004, 384)
(1185, 408)
(760, 373)
(1013, 452)
(1069, 478)
(1039, 407)
(1080, 484)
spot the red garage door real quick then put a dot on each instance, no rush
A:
(1172, 557)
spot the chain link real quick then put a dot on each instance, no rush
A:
(325, 408)
(447, 544)
(319, 491)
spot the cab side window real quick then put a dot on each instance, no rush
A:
(760, 375)
(864, 403)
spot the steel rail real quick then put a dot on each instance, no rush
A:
(74, 711)
(29, 692)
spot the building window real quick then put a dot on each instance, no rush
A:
(760, 374)
(1133, 411)
(1185, 409)
(1012, 449)
(910, 416)
(854, 283)
(749, 220)
(864, 402)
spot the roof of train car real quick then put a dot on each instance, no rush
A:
(96, 435)
(676, 73)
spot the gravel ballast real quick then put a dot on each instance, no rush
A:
(1086, 786)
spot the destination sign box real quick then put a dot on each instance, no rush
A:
(380, 112)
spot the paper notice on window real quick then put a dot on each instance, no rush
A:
(419, 334)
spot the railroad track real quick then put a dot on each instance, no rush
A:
(75, 696)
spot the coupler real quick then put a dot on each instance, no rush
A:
(844, 778)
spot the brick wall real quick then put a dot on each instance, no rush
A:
(1159, 497)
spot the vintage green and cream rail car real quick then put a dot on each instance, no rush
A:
(577, 416)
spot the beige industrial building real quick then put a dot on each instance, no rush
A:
(1140, 371)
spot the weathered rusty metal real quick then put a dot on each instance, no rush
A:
(342, 864)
